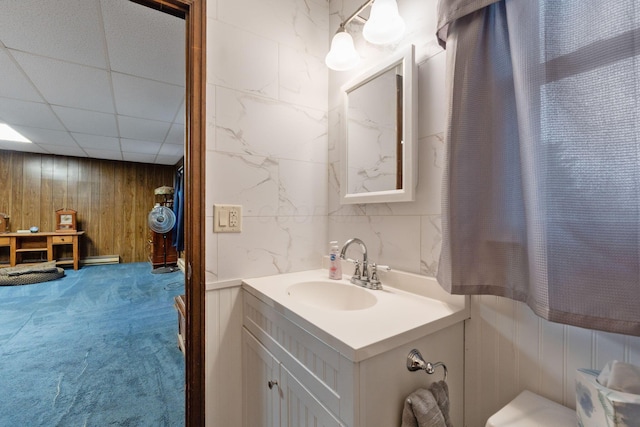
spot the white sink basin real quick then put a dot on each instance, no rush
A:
(361, 323)
(332, 295)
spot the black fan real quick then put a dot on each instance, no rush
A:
(161, 219)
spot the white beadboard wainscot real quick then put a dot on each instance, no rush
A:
(509, 348)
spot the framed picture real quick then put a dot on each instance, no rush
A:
(66, 220)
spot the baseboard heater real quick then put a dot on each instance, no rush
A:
(100, 260)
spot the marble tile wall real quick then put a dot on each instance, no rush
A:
(267, 150)
(267, 134)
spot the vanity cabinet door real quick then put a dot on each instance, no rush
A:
(272, 396)
(261, 393)
(300, 408)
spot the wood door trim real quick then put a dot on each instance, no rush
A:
(195, 212)
(175, 8)
(194, 13)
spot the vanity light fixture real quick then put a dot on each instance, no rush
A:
(7, 133)
(343, 55)
(384, 26)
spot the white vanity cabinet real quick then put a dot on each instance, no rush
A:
(261, 401)
(273, 397)
(319, 386)
(275, 349)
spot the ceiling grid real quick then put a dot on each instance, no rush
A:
(93, 78)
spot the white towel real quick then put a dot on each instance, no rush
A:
(427, 408)
(620, 376)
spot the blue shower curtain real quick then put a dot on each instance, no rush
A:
(178, 210)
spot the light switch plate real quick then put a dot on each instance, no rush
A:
(227, 218)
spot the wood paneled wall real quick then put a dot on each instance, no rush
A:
(112, 198)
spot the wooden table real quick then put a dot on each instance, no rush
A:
(23, 243)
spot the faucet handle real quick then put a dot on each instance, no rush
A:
(374, 282)
(375, 267)
(356, 272)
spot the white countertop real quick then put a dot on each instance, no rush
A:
(409, 307)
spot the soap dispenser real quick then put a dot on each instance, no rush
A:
(335, 265)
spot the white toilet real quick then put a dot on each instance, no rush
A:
(530, 410)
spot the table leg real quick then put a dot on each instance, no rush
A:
(76, 255)
(12, 252)
(49, 248)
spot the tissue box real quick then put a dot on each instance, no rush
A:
(599, 406)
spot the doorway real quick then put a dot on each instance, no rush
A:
(194, 14)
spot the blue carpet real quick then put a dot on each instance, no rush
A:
(95, 348)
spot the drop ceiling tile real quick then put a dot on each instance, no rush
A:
(70, 30)
(67, 38)
(142, 147)
(34, 114)
(63, 150)
(180, 117)
(147, 130)
(90, 122)
(176, 134)
(171, 150)
(167, 160)
(144, 42)
(97, 142)
(138, 157)
(14, 82)
(104, 154)
(67, 84)
(147, 99)
(21, 146)
(47, 136)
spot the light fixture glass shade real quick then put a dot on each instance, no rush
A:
(385, 25)
(343, 55)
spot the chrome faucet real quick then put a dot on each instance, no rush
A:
(361, 277)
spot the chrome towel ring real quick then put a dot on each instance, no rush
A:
(415, 362)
